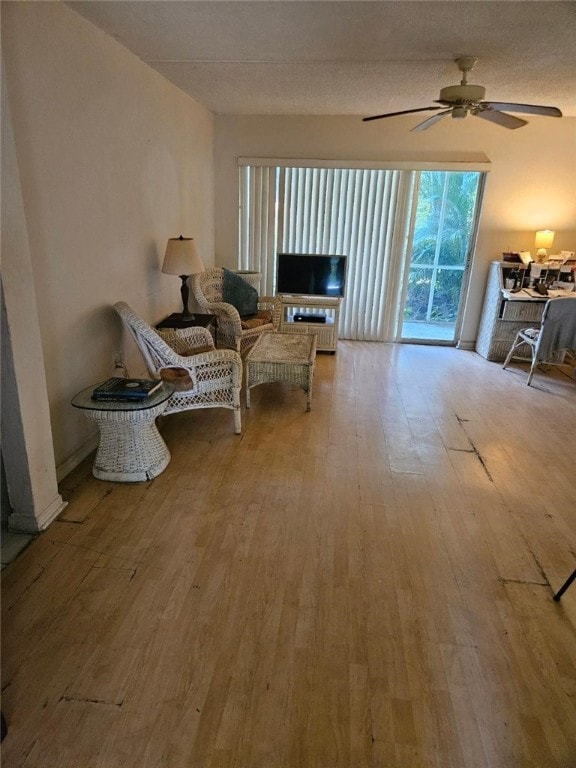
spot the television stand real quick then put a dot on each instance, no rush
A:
(326, 330)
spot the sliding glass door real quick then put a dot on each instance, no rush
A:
(408, 236)
(439, 257)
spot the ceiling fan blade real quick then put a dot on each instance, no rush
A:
(529, 109)
(500, 118)
(403, 112)
(431, 121)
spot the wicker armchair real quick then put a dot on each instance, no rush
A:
(209, 378)
(233, 332)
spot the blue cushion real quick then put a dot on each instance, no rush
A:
(239, 293)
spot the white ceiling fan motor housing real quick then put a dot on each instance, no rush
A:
(462, 94)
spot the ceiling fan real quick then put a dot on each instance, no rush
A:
(464, 99)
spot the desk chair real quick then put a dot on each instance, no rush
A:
(556, 334)
(565, 586)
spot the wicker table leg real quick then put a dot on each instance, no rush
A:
(265, 373)
(131, 449)
(308, 390)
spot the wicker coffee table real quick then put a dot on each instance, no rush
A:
(282, 357)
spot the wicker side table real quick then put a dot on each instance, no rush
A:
(131, 449)
(282, 357)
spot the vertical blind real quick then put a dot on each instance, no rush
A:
(364, 214)
(258, 222)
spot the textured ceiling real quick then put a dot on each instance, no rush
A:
(347, 58)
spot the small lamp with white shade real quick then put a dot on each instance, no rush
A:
(182, 258)
(543, 240)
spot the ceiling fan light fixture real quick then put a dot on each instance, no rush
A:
(458, 113)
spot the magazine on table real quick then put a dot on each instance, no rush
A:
(117, 388)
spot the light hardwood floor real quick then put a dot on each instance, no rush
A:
(368, 585)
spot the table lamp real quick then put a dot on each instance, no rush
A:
(182, 258)
(543, 240)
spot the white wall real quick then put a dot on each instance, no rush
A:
(531, 185)
(112, 161)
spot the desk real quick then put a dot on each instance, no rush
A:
(130, 449)
(528, 294)
(505, 313)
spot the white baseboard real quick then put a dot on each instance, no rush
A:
(77, 457)
(39, 521)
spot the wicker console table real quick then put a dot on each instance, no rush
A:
(292, 318)
(282, 357)
(131, 449)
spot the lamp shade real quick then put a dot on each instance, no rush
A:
(181, 257)
(544, 238)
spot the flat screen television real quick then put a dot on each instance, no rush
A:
(306, 274)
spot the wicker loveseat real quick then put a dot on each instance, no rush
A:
(206, 378)
(233, 332)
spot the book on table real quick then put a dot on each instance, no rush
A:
(120, 389)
